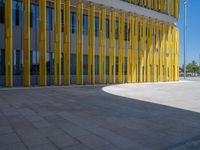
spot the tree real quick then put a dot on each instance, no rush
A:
(192, 67)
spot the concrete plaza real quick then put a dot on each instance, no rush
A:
(152, 116)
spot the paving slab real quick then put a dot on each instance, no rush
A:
(63, 140)
(14, 146)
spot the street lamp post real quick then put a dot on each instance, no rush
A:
(185, 28)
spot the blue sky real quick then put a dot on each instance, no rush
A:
(193, 30)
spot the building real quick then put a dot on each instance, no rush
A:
(62, 42)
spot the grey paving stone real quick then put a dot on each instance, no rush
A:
(5, 130)
(74, 130)
(63, 140)
(118, 140)
(41, 124)
(11, 112)
(3, 122)
(15, 146)
(28, 132)
(26, 112)
(10, 138)
(50, 131)
(34, 140)
(92, 141)
(77, 147)
(56, 120)
(108, 147)
(44, 147)
(19, 122)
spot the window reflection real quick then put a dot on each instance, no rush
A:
(34, 16)
(2, 62)
(17, 13)
(17, 62)
(85, 25)
(34, 62)
(2, 12)
(73, 22)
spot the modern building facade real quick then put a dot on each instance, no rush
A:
(62, 42)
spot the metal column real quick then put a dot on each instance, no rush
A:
(141, 3)
(129, 47)
(156, 51)
(26, 42)
(172, 8)
(135, 49)
(121, 34)
(8, 44)
(66, 49)
(57, 42)
(178, 53)
(161, 65)
(42, 42)
(102, 45)
(173, 35)
(143, 47)
(167, 7)
(112, 47)
(170, 54)
(150, 51)
(167, 57)
(149, 4)
(162, 6)
(79, 43)
(91, 44)
(155, 5)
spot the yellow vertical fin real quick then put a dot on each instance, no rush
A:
(8, 44)
(79, 43)
(121, 33)
(26, 42)
(149, 51)
(135, 49)
(57, 42)
(42, 41)
(112, 46)
(66, 49)
(102, 45)
(91, 44)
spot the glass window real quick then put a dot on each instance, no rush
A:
(2, 12)
(85, 25)
(17, 62)
(116, 60)
(34, 62)
(2, 62)
(17, 12)
(107, 28)
(116, 30)
(62, 20)
(107, 65)
(50, 64)
(96, 26)
(126, 32)
(73, 64)
(62, 63)
(125, 65)
(34, 23)
(73, 22)
(31, 16)
(96, 64)
(85, 64)
(49, 19)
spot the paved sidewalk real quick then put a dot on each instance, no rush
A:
(85, 118)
